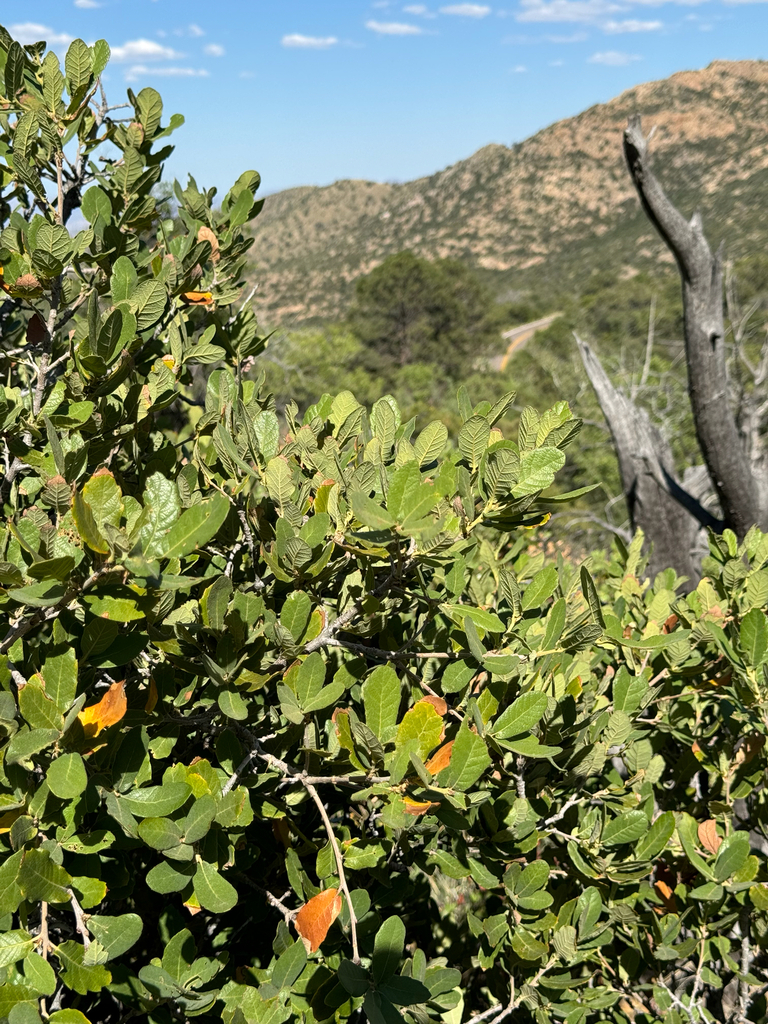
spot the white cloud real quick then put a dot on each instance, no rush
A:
(520, 69)
(143, 71)
(556, 63)
(575, 37)
(420, 10)
(393, 28)
(196, 31)
(300, 42)
(31, 32)
(87, 4)
(631, 25)
(143, 49)
(613, 59)
(247, 74)
(580, 11)
(466, 10)
(214, 50)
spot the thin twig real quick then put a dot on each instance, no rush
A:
(82, 927)
(339, 867)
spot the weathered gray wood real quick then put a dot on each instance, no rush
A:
(669, 516)
(702, 280)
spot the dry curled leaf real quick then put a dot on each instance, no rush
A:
(417, 807)
(197, 298)
(708, 836)
(26, 286)
(440, 759)
(206, 235)
(666, 895)
(108, 711)
(316, 917)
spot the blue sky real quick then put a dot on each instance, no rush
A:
(309, 91)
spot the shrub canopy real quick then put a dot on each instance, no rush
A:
(298, 724)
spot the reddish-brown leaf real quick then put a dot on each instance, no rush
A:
(36, 332)
(316, 917)
(708, 836)
(437, 703)
(108, 711)
(440, 759)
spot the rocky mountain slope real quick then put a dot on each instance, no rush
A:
(546, 211)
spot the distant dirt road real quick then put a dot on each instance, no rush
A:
(519, 336)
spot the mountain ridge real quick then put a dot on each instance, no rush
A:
(545, 211)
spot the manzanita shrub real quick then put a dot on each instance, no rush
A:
(304, 725)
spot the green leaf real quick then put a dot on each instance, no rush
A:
(589, 590)
(295, 613)
(469, 759)
(405, 991)
(369, 513)
(157, 801)
(526, 946)
(381, 699)
(75, 974)
(529, 746)
(732, 855)
(473, 439)
(521, 715)
(68, 1017)
(28, 742)
(532, 878)
(67, 777)
(289, 966)
(116, 934)
(387, 949)
(753, 634)
(420, 724)
(37, 707)
(431, 442)
(233, 705)
(195, 528)
(166, 877)
(14, 946)
(541, 587)
(148, 303)
(537, 470)
(39, 595)
(625, 828)
(354, 978)
(42, 880)
(656, 838)
(160, 833)
(40, 975)
(86, 525)
(687, 830)
(199, 819)
(379, 1010)
(10, 892)
(213, 892)
(78, 67)
(279, 480)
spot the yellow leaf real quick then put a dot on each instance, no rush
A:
(108, 711)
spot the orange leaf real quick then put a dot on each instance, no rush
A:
(708, 836)
(666, 895)
(417, 807)
(440, 759)
(152, 696)
(437, 703)
(697, 752)
(316, 917)
(26, 286)
(198, 298)
(108, 711)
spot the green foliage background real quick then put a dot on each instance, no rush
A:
(279, 607)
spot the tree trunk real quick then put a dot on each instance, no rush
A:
(667, 514)
(702, 280)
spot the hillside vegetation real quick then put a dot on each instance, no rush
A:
(544, 212)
